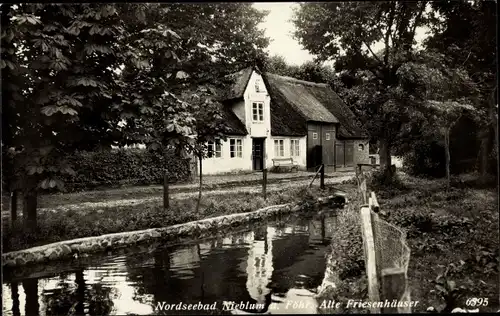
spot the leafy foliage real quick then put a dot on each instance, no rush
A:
(388, 88)
(83, 76)
(346, 32)
(124, 166)
(58, 60)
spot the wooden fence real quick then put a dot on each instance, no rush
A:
(386, 257)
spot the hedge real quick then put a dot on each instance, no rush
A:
(131, 166)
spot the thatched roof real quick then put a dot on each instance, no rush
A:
(238, 83)
(349, 126)
(295, 102)
(302, 96)
(234, 124)
(285, 120)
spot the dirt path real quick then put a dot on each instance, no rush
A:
(185, 195)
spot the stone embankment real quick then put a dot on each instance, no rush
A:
(197, 229)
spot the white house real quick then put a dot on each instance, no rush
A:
(271, 117)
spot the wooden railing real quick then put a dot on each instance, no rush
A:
(321, 171)
(386, 258)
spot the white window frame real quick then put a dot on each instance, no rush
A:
(294, 148)
(235, 148)
(327, 136)
(315, 135)
(361, 147)
(216, 148)
(257, 111)
(257, 85)
(279, 148)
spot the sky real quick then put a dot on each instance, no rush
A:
(280, 29)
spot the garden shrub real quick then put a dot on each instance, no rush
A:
(129, 166)
(426, 156)
(379, 181)
(347, 246)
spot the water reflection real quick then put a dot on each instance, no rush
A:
(273, 265)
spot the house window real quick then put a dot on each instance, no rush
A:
(294, 148)
(235, 148)
(214, 149)
(279, 147)
(327, 136)
(258, 111)
(257, 85)
(361, 147)
(315, 135)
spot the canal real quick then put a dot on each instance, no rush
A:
(275, 268)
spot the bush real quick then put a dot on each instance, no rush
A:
(426, 156)
(379, 180)
(124, 166)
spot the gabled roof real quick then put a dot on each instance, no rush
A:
(350, 126)
(238, 83)
(234, 124)
(294, 102)
(306, 97)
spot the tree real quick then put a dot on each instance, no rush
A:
(466, 32)
(440, 92)
(64, 91)
(347, 32)
(277, 64)
(182, 48)
(210, 126)
(57, 60)
(308, 71)
(446, 114)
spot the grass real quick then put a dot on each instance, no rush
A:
(453, 237)
(71, 224)
(138, 192)
(455, 231)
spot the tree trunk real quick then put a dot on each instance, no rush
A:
(385, 160)
(29, 210)
(166, 202)
(447, 153)
(483, 155)
(13, 207)
(15, 299)
(31, 306)
(201, 184)
(80, 292)
(385, 154)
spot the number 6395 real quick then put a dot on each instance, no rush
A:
(476, 302)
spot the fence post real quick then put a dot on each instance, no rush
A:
(264, 183)
(322, 177)
(166, 203)
(375, 206)
(370, 258)
(393, 288)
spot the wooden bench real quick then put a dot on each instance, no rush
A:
(278, 163)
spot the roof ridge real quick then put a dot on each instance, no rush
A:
(295, 80)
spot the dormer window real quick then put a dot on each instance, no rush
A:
(258, 111)
(257, 84)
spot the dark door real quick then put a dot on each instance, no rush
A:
(349, 153)
(339, 154)
(318, 155)
(258, 153)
